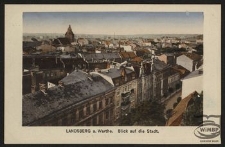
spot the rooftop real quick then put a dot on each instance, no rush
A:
(196, 73)
(176, 117)
(159, 65)
(115, 72)
(78, 86)
(193, 56)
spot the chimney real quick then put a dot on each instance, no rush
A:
(60, 84)
(42, 88)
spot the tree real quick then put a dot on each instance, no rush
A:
(169, 113)
(174, 105)
(146, 114)
(193, 115)
(178, 99)
(178, 86)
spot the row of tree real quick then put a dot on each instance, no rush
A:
(148, 113)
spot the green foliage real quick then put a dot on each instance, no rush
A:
(146, 114)
(169, 113)
(194, 112)
(178, 99)
(178, 86)
(174, 105)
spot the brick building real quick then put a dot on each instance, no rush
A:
(80, 99)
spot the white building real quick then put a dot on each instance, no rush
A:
(127, 48)
(189, 61)
(192, 82)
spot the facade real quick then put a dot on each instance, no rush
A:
(33, 77)
(174, 79)
(190, 61)
(192, 82)
(145, 90)
(161, 72)
(80, 99)
(167, 58)
(125, 83)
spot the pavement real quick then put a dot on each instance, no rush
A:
(170, 101)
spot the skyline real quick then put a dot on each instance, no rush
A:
(118, 23)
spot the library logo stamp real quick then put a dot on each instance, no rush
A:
(209, 128)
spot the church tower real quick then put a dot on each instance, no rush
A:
(69, 34)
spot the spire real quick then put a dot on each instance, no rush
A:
(69, 29)
(69, 34)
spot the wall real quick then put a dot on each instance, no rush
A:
(185, 62)
(192, 84)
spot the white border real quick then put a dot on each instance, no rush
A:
(15, 133)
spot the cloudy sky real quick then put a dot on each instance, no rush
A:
(120, 23)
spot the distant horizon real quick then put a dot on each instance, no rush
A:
(120, 34)
(120, 23)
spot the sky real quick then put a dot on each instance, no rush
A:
(120, 23)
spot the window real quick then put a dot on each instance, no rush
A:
(106, 102)
(100, 118)
(81, 113)
(100, 105)
(95, 107)
(110, 100)
(95, 121)
(73, 116)
(107, 115)
(88, 110)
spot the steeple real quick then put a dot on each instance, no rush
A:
(69, 34)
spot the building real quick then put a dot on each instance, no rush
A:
(168, 58)
(174, 82)
(33, 77)
(161, 72)
(192, 82)
(63, 45)
(80, 99)
(69, 34)
(127, 56)
(145, 82)
(190, 61)
(124, 80)
(100, 61)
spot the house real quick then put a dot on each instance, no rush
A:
(101, 61)
(127, 56)
(181, 70)
(161, 72)
(127, 48)
(168, 58)
(32, 77)
(192, 82)
(80, 99)
(124, 80)
(174, 82)
(190, 61)
(63, 44)
(145, 82)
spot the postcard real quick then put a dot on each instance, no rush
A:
(113, 74)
